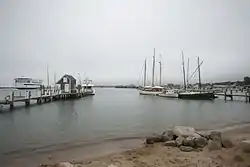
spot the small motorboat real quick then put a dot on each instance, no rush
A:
(169, 93)
(149, 90)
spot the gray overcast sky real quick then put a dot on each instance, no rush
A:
(108, 40)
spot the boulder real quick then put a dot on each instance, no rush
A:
(215, 135)
(171, 143)
(245, 146)
(150, 140)
(204, 134)
(155, 139)
(214, 145)
(238, 158)
(200, 142)
(179, 141)
(183, 131)
(189, 141)
(226, 142)
(168, 135)
(65, 164)
(186, 148)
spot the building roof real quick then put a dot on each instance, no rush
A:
(67, 76)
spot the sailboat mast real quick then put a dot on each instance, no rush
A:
(55, 78)
(48, 74)
(145, 72)
(160, 72)
(188, 73)
(153, 75)
(199, 72)
(183, 68)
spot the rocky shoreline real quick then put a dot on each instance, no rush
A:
(180, 146)
(187, 139)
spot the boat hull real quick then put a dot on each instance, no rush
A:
(197, 96)
(90, 92)
(169, 95)
(149, 93)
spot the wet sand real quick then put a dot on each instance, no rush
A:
(133, 153)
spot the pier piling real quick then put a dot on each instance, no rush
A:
(231, 95)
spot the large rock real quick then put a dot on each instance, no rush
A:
(189, 141)
(204, 134)
(226, 142)
(179, 141)
(214, 145)
(183, 131)
(168, 135)
(215, 135)
(154, 139)
(65, 164)
(186, 148)
(245, 146)
(200, 142)
(150, 140)
(171, 143)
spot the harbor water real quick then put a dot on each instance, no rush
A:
(109, 115)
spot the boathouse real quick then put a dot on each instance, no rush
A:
(67, 84)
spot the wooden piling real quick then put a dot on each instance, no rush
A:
(27, 103)
(246, 97)
(231, 96)
(12, 101)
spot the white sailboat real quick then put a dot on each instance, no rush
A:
(150, 90)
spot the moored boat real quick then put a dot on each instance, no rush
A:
(197, 95)
(149, 90)
(170, 93)
(88, 87)
(27, 83)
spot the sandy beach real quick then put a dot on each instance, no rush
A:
(158, 155)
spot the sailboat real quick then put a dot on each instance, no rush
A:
(150, 90)
(169, 93)
(197, 95)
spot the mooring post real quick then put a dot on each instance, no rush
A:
(231, 92)
(12, 101)
(249, 97)
(38, 100)
(27, 101)
(246, 97)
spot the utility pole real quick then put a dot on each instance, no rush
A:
(183, 68)
(153, 75)
(145, 72)
(199, 71)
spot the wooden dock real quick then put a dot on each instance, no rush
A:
(49, 96)
(231, 95)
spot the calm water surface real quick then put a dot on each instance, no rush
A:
(110, 114)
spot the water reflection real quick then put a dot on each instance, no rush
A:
(111, 113)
